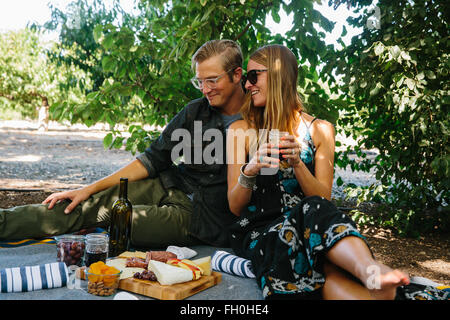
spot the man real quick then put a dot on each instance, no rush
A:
(182, 204)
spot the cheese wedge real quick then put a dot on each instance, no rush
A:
(197, 272)
(205, 264)
(167, 274)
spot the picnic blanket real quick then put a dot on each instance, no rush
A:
(233, 265)
(44, 240)
(415, 291)
(26, 242)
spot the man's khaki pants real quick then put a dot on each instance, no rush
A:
(160, 217)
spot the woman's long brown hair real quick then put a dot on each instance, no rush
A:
(283, 105)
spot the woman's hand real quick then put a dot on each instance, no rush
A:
(290, 150)
(76, 197)
(262, 159)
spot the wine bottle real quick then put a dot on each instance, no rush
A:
(120, 226)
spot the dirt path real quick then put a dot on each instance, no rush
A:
(57, 159)
(63, 159)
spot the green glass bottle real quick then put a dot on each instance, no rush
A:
(120, 226)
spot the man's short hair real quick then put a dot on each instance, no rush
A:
(229, 51)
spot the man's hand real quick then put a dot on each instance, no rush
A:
(76, 196)
(133, 171)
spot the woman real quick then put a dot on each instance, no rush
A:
(300, 245)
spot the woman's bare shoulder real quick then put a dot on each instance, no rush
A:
(320, 129)
(324, 126)
(239, 124)
(317, 123)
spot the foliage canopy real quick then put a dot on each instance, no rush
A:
(395, 83)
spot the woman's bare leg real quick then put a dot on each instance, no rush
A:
(352, 254)
(339, 286)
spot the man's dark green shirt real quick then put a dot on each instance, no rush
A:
(204, 182)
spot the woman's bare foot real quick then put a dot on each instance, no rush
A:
(353, 255)
(383, 281)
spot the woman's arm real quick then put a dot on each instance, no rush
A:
(321, 184)
(238, 196)
(238, 141)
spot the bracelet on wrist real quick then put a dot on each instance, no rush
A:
(246, 181)
(242, 172)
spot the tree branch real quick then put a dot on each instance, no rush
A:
(7, 96)
(244, 31)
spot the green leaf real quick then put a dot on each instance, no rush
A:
(118, 142)
(122, 71)
(107, 140)
(275, 16)
(109, 63)
(375, 90)
(430, 74)
(379, 48)
(344, 31)
(92, 95)
(410, 83)
(405, 55)
(125, 90)
(395, 51)
(97, 33)
(108, 41)
(132, 74)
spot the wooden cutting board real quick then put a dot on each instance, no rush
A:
(177, 291)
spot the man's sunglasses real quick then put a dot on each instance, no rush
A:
(252, 76)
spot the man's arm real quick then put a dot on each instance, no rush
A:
(133, 171)
(155, 159)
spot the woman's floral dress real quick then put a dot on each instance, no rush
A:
(286, 235)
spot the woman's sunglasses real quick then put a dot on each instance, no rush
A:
(252, 76)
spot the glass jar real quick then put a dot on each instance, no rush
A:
(70, 249)
(104, 284)
(96, 248)
(275, 138)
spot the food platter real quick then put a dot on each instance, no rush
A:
(177, 291)
(172, 279)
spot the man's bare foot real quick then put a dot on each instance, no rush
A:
(383, 281)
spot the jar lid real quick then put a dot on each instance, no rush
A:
(70, 237)
(96, 236)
